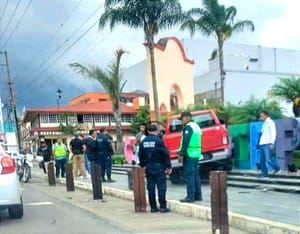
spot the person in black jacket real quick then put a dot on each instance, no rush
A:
(44, 151)
(154, 157)
(76, 146)
(90, 146)
(105, 152)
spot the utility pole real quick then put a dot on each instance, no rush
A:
(13, 102)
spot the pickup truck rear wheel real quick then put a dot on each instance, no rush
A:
(177, 176)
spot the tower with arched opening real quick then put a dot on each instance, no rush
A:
(174, 75)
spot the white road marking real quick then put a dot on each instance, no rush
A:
(38, 204)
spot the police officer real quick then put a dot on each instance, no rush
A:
(190, 153)
(105, 151)
(154, 157)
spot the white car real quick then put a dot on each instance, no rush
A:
(10, 190)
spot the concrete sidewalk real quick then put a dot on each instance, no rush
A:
(244, 201)
(120, 212)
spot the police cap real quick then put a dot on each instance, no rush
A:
(152, 128)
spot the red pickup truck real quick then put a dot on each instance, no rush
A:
(216, 148)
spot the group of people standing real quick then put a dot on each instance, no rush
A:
(154, 157)
(96, 149)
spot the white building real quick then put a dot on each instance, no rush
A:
(250, 70)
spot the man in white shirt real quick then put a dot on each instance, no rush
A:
(266, 144)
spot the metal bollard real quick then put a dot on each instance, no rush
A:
(69, 177)
(96, 182)
(219, 203)
(139, 189)
(51, 174)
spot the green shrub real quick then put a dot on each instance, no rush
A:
(118, 159)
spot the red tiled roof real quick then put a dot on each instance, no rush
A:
(104, 107)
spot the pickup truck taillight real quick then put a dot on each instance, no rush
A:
(225, 140)
(7, 164)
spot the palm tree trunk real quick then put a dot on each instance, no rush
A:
(296, 110)
(153, 74)
(119, 146)
(222, 72)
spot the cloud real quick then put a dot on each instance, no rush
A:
(282, 31)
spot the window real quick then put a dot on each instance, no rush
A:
(87, 118)
(44, 118)
(101, 118)
(62, 118)
(127, 118)
(204, 120)
(80, 119)
(112, 119)
(175, 126)
(53, 118)
(72, 119)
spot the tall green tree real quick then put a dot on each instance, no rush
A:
(289, 90)
(142, 117)
(149, 15)
(110, 80)
(219, 21)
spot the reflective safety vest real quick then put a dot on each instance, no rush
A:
(194, 148)
(60, 151)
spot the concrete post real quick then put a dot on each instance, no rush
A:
(69, 177)
(139, 189)
(51, 174)
(96, 182)
(219, 204)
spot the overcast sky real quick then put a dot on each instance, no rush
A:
(43, 43)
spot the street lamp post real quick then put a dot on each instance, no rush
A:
(59, 94)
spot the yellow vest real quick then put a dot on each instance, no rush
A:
(60, 151)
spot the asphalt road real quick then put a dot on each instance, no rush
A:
(47, 213)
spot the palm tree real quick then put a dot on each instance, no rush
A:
(111, 81)
(250, 109)
(151, 16)
(288, 89)
(215, 19)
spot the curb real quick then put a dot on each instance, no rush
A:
(239, 221)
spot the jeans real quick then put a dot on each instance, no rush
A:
(156, 176)
(192, 179)
(108, 166)
(102, 162)
(60, 166)
(44, 166)
(86, 163)
(266, 157)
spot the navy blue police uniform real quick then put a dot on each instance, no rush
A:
(105, 151)
(154, 157)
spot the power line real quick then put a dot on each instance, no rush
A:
(67, 40)
(65, 51)
(12, 32)
(63, 67)
(51, 38)
(12, 15)
(4, 9)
